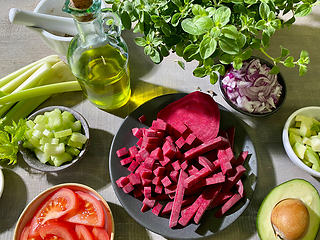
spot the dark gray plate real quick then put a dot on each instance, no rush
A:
(208, 225)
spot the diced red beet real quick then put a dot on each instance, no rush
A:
(192, 209)
(159, 171)
(174, 175)
(142, 119)
(150, 202)
(221, 199)
(233, 177)
(161, 125)
(233, 200)
(122, 152)
(180, 142)
(147, 191)
(157, 153)
(157, 209)
(170, 189)
(177, 202)
(224, 160)
(176, 165)
(148, 163)
(139, 143)
(193, 179)
(169, 149)
(137, 132)
(214, 179)
(133, 151)
(133, 166)
(205, 162)
(198, 111)
(231, 134)
(156, 180)
(144, 207)
(166, 181)
(207, 199)
(137, 193)
(165, 161)
(134, 178)
(122, 181)
(149, 132)
(240, 188)
(170, 138)
(192, 170)
(126, 161)
(158, 189)
(190, 139)
(185, 202)
(146, 181)
(145, 172)
(241, 158)
(204, 147)
(128, 188)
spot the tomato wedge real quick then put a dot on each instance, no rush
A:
(57, 230)
(25, 234)
(54, 206)
(99, 234)
(83, 233)
(89, 211)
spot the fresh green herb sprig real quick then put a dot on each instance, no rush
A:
(204, 30)
(9, 140)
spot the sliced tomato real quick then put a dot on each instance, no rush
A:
(54, 206)
(99, 234)
(82, 232)
(89, 211)
(25, 234)
(55, 230)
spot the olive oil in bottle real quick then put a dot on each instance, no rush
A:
(98, 58)
(103, 74)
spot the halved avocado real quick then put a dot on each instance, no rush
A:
(294, 189)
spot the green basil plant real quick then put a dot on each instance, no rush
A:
(206, 30)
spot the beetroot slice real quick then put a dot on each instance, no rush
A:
(198, 111)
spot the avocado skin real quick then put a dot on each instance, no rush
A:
(296, 188)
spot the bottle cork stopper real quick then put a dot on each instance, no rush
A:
(81, 4)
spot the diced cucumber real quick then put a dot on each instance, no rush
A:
(315, 144)
(63, 133)
(305, 128)
(293, 138)
(306, 141)
(78, 137)
(294, 130)
(54, 149)
(299, 149)
(60, 159)
(311, 156)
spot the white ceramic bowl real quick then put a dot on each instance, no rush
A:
(57, 41)
(31, 208)
(312, 111)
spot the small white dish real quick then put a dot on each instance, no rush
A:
(1, 182)
(312, 111)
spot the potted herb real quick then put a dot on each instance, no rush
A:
(214, 33)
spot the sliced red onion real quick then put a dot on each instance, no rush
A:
(252, 88)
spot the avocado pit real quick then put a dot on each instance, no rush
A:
(290, 219)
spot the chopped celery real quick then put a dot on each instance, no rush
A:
(73, 151)
(27, 144)
(68, 117)
(28, 134)
(48, 133)
(45, 140)
(41, 119)
(54, 149)
(54, 120)
(76, 126)
(30, 124)
(75, 144)
(63, 133)
(35, 142)
(60, 159)
(41, 156)
(37, 134)
(78, 137)
(39, 127)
